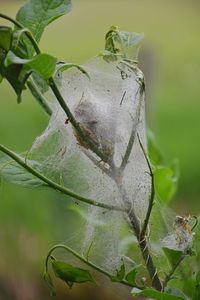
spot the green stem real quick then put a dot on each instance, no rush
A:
(169, 276)
(56, 186)
(38, 95)
(133, 132)
(81, 258)
(143, 244)
(152, 195)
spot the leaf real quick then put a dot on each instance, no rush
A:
(49, 282)
(111, 50)
(70, 274)
(165, 183)
(44, 64)
(175, 291)
(165, 177)
(121, 43)
(5, 37)
(131, 276)
(154, 152)
(196, 295)
(12, 74)
(159, 295)
(18, 46)
(37, 14)
(12, 172)
(40, 82)
(198, 278)
(61, 67)
(120, 274)
(128, 39)
(172, 255)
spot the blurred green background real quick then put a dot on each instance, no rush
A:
(32, 221)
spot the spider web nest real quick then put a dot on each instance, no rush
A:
(110, 107)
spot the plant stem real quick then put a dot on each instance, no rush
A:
(152, 270)
(152, 195)
(84, 260)
(143, 245)
(133, 131)
(170, 274)
(39, 97)
(56, 186)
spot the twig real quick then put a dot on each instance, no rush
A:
(169, 276)
(144, 247)
(39, 97)
(152, 195)
(133, 133)
(98, 164)
(87, 262)
(56, 186)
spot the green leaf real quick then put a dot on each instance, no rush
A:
(18, 45)
(165, 177)
(128, 39)
(12, 172)
(43, 64)
(175, 291)
(120, 274)
(196, 295)
(70, 274)
(159, 295)
(5, 37)
(37, 14)
(111, 50)
(131, 276)
(154, 152)
(40, 82)
(61, 67)
(172, 255)
(165, 183)
(49, 282)
(12, 74)
(121, 43)
(198, 278)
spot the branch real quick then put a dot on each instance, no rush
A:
(84, 260)
(152, 195)
(38, 95)
(169, 276)
(56, 186)
(133, 132)
(143, 244)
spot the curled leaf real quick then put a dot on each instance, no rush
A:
(70, 274)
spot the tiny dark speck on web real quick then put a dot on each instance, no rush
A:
(122, 99)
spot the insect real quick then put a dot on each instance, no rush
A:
(183, 229)
(182, 236)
